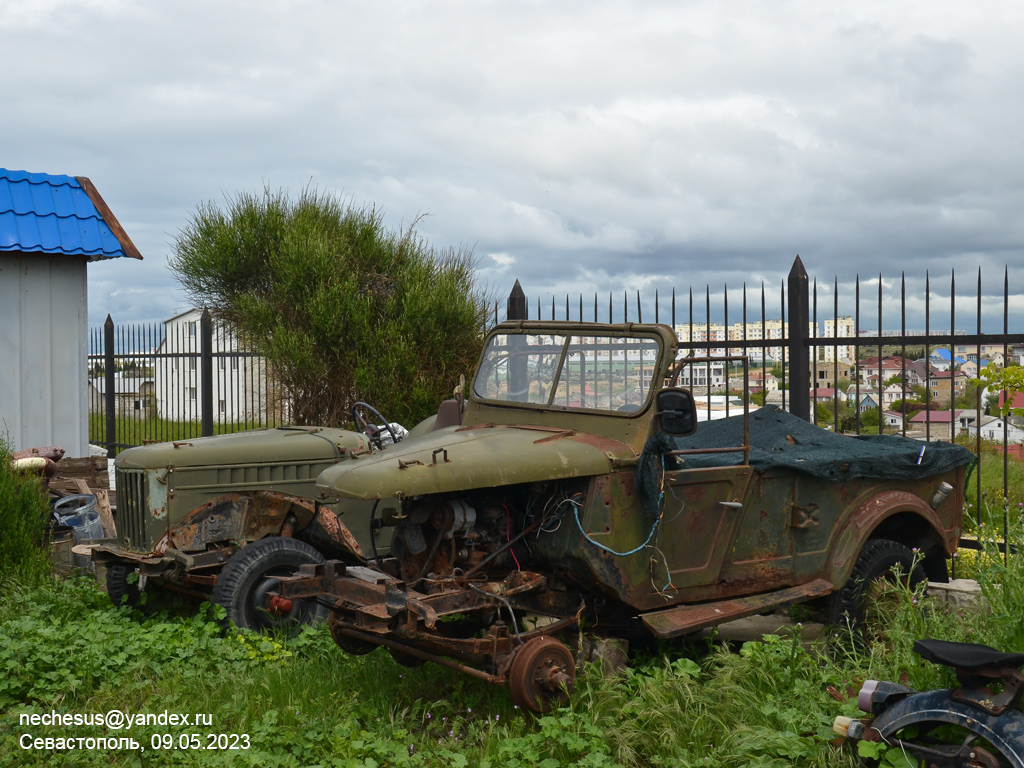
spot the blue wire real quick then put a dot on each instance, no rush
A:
(576, 514)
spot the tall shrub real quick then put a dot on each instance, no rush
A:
(343, 308)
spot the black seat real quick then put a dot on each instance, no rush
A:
(965, 655)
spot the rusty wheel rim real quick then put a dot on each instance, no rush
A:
(542, 674)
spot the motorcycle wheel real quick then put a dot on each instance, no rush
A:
(944, 745)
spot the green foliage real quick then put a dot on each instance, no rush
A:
(343, 308)
(302, 702)
(24, 511)
(1009, 379)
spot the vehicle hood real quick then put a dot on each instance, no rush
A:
(280, 444)
(458, 459)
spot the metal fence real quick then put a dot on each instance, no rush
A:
(815, 344)
(185, 378)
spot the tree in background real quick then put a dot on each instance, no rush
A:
(343, 308)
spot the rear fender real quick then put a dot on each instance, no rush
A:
(868, 516)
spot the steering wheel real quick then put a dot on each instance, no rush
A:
(365, 426)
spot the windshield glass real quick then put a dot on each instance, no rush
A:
(611, 373)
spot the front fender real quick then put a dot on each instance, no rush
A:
(244, 517)
(1005, 732)
(475, 457)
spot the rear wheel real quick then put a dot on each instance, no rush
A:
(245, 583)
(873, 589)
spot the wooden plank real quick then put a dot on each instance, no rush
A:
(91, 469)
(106, 517)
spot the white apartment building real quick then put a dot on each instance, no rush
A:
(240, 389)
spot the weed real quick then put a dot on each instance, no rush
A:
(24, 511)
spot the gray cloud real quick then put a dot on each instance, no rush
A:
(591, 146)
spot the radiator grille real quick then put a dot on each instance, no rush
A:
(132, 510)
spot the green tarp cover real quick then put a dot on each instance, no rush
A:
(779, 439)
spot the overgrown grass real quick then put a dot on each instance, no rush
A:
(24, 510)
(303, 702)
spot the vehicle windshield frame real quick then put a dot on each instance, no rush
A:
(628, 388)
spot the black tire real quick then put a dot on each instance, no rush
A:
(122, 592)
(248, 576)
(851, 607)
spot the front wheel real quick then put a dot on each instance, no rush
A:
(245, 583)
(123, 584)
(542, 674)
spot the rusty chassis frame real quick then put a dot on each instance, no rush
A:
(373, 607)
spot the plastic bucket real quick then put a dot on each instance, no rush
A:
(79, 512)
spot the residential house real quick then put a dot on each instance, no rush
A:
(942, 360)
(1017, 401)
(975, 352)
(892, 419)
(867, 400)
(938, 425)
(1017, 354)
(947, 382)
(826, 374)
(51, 227)
(757, 381)
(827, 395)
(132, 395)
(894, 393)
(966, 419)
(702, 375)
(996, 428)
(874, 371)
(970, 368)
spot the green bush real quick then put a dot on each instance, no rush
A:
(342, 307)
(24, 510)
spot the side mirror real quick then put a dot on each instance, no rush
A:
(677, 412)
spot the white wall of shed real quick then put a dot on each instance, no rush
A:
(43, 338)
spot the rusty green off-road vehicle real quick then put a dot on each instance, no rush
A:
(219, 517)
(580, 492)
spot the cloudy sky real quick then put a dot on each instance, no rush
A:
(577, 145)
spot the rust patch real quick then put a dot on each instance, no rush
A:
(338, 532)
(51, 452)
(689, 618)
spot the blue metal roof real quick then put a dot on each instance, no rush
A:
(40, 212)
